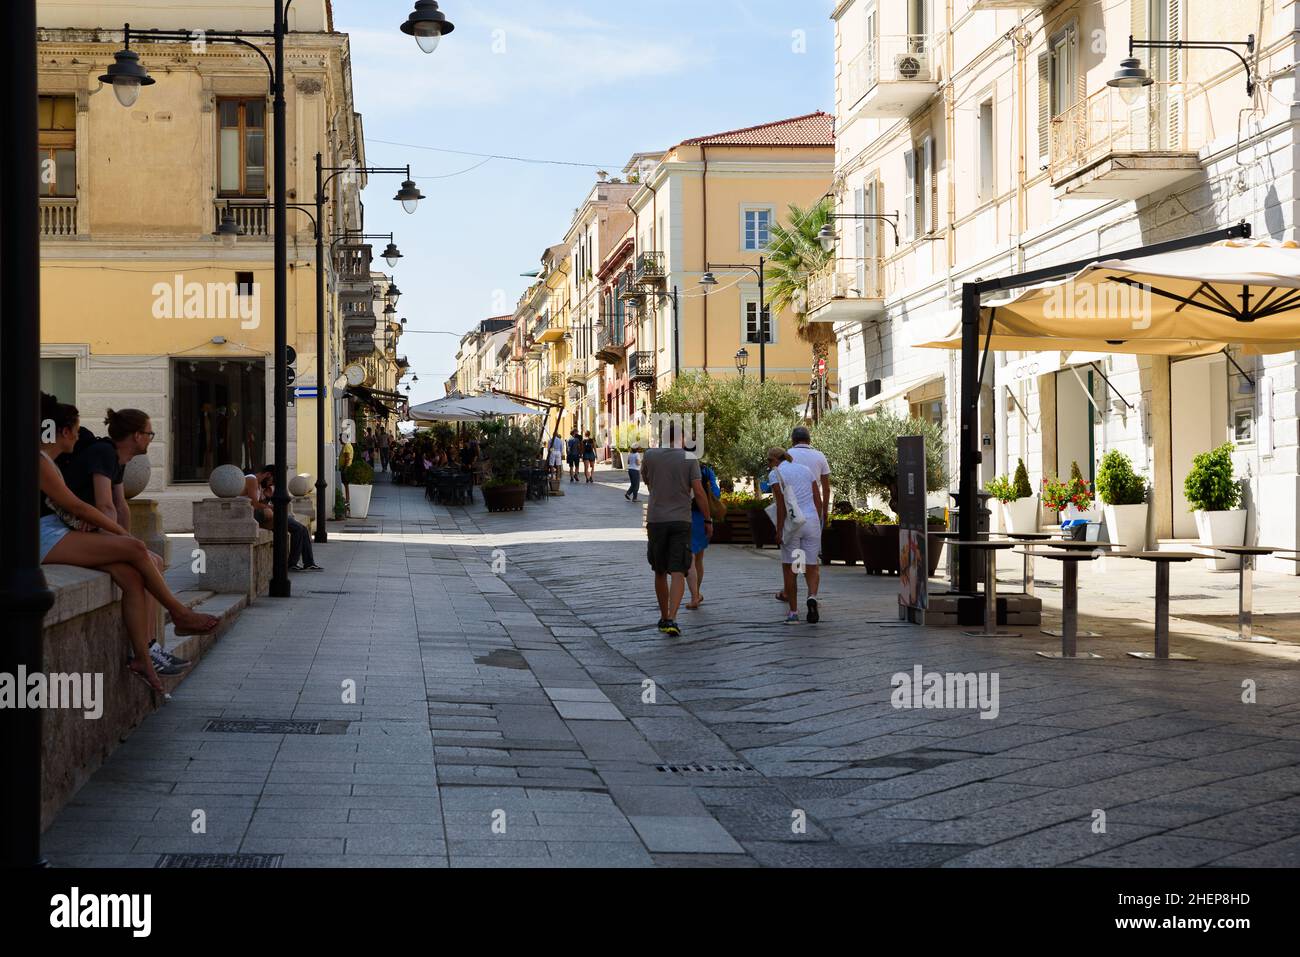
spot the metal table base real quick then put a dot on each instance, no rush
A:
(1246, 606)
(1162, 652)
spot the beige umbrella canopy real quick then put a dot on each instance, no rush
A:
(1187, 303)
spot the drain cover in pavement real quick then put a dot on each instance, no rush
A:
(275, 726)
(220, 860)
(704, 768)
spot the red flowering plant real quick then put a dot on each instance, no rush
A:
(1058, 495)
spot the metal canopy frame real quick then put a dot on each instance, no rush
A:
(974, 361)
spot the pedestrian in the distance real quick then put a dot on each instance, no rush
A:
(634, 473)
(589, 457)
(385, 444)
(673, 480)
(555, 458)
(573, 452)
(798, 529)
(804, 454)
(700, 536)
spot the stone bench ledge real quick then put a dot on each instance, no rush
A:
(77, 591)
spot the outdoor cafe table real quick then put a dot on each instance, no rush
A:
(1162, 562)
(1029, 538)
(990, 587)
(1069, 633)
(1096, 550)
(1246, 591)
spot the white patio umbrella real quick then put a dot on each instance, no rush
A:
(487, 406)
(443, 410)
(1187, 303)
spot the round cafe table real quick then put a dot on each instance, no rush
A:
(1096, 550)
(990, 586)
(1246, 591)
(1029, 538)
(1069, 633)
(1162, 561)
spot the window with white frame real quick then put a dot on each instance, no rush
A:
(920, 191)
(751, 336)
(986, 176)
(756, 228)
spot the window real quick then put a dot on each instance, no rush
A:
(909, 195)
(59, 379)
(218, 416)
(751, 322)
(987, 181)
(242, 146)
(244, 283)
(929, 411)
(1062, 89)
(853, 394)
(56, 151)
(757, 228)
(920, 192)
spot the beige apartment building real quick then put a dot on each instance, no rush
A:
(984, 138)
(142, 306)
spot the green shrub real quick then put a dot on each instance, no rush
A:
(1003, 489)
(1210, 485)
(1117, 483)
(863, 452)
(1023, 488)
(744, 501)
(360, 473)
(509, 449)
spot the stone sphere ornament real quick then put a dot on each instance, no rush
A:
(136, 479)
(227, 481)
(300, 485)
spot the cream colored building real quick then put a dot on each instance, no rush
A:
(141, 305)
(988, 129)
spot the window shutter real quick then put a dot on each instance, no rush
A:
(860, 236)
(909, 195)
(1174, 94)
(1044, 102)
(928, 198)
(1137, 20)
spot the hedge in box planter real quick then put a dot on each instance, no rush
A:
(508, 449)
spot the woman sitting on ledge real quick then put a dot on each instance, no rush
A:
(70, 535)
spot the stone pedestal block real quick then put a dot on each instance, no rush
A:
(233, 547)
(147, 525)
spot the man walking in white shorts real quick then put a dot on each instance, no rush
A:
(800, 546)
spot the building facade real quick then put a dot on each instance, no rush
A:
(985, 133)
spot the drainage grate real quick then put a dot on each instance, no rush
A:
(260, 861)
(275, 726)
(704, 768)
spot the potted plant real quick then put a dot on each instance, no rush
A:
(1123, 494)
(360, 480)
(1070, 499)
(840, 541)
(747, 523)
(878, 539)
(1214, 494)
(1019, 506)
(509, 449)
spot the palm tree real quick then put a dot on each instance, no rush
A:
(795, 254)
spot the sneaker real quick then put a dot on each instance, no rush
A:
(312, 568)
(814, 612)
(295, 568)
(671, 630)
(163, 663)
(663, 624)
(792, 618)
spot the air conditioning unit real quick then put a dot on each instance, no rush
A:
(911, 66)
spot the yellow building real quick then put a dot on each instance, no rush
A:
(141, 305)
(712, 201)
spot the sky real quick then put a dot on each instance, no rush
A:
(568, 81)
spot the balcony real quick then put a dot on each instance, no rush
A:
(359, 317)
(1104, 148)
(611, 339)
(548, 328)
(252, 215)
(553, 383)
(839, 292)
(353, 264)
(892, 77)
(649, 270)
(58, 218)
(628, 290)
(641, 365)
(358, 345)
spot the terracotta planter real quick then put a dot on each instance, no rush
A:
(1222, 528)
(505, 498)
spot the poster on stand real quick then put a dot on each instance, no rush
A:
(913, 558)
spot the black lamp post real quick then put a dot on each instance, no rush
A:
(1130, 79)
(24, 597)
(742, 362)
(708, 280)
(127, 75)
(427, 24)
(827, 236)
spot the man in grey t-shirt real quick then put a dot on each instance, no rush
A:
(673, 480)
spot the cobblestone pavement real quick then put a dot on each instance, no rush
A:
(516, 706)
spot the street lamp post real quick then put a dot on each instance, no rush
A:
(709, 280)
(742, 362)
(24, 596)
(127, 75)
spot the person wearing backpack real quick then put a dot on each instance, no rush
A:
(797, 499)
(700, 535)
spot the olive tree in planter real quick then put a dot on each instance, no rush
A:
(1123, 494)
(1214, 494)
(508, 448)
(360, 479)
(1019, 504)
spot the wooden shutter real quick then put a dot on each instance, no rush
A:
(860, 232)
(1044, 101)
(929, 191)
(1174, 95)
(909, 195)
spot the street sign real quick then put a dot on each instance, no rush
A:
(307, 392)
(821, 367)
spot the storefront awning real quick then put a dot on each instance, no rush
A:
(1192, 302)
(900, 388)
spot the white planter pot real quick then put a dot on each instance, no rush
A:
(1071, 514)
(359, 495)
(1021, 516)
(1127, 525)
(1222, 528)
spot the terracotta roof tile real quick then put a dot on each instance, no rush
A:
(813, 129)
